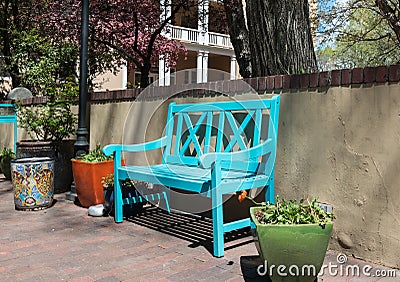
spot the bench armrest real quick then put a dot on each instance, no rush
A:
(141, 147)
(264, 148)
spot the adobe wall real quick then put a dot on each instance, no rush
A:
(343, 146)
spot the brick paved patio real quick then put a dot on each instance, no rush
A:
(63, 243)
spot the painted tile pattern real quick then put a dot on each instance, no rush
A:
(33, 184)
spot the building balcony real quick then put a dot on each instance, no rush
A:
(188, 35)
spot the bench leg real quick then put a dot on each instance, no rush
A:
(270, 192)
(118, 205)
(165, 196)
(218, 223)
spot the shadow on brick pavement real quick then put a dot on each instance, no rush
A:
(63, 243)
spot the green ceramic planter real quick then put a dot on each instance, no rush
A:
(300, 248)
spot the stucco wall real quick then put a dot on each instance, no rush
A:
(343, 146)
(7, 135)
(340, 145)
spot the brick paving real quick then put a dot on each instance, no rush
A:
(63, 243)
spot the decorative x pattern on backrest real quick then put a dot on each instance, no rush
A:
(192, 133)
(236, 128)
(237, 131)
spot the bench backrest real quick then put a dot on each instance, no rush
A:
(196, 129)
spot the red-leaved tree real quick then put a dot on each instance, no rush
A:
(131, 30)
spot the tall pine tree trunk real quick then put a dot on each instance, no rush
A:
(279, 36)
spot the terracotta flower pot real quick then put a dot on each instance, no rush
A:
(87, 177)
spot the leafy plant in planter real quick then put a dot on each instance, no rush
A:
(49, 125)
(6, 155)
(88, 171)
(128, 191)
(47, 68)
(292, 235)
(53, 120)
(95, 156)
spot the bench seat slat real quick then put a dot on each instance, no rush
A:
(179, 176)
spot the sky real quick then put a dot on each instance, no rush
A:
(326, 6)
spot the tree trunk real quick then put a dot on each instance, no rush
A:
(239, 35)
(144, 74)
(280, 37)
(9, 17)
(391, 14)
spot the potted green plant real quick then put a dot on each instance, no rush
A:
(292, 238)
(128, 191)
(50, 125)
(88, 171)
(6, 155)
(48, 72)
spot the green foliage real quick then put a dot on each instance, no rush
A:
(6, 154)
(43, 64)
(108, 182)
(53, 120)
(355, 34)
(291, 212)
(47, 69)
(95, 156)
(130, 85)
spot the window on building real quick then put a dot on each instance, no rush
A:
(173, 76)
(152, 77)
(194, 76)
(190, 76)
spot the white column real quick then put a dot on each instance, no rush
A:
(124, 74)
(167, 77)
(161, 72)
(205, 66)
(199, 69)
(164, 73)
(233, 67)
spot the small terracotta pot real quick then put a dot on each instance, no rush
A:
(87, 177)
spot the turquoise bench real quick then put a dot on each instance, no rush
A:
(209, 148)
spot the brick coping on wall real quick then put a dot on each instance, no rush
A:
(344, 77)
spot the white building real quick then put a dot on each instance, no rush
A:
(208, 47)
